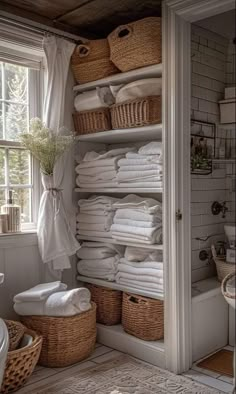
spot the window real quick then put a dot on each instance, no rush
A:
(19, 85)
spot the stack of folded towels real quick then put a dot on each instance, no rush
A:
(99, 260)
(141, 269)
(141, 169)
(100, 169)
(52, 299)
(95, 216)
(137, 219)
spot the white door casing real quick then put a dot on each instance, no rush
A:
(177, 18)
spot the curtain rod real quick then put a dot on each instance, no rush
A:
(23, 24)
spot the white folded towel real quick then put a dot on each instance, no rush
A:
(102, 185)
(135, 223)
(143, 231)
(144, 204)
(147, 286)
(96, 219)
(92, 156)
(109, 264)
(102, 176)
(97, 209)
(156, 237)
(92, 227)
(142, 168)
(118, 249)
(140, 271)
(138, 156)
(137, 215)
(146, 264)
(95, 253)
(92, 171)
(96, 203)
(130, 184)
(149, 160)
(64, 303)
(137, 255)
(144, 278)
(40, 292)
(96, 234)
(151, 176)
(152, 148)
(99, 274)
(110, 161)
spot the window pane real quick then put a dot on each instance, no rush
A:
(16, 120)
(19, 167)
(1, 122)
(2, 167)
(2, 197)
(22, 197)
(16, 83)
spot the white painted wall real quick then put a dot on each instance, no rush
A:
(23, 268)
(210, 58)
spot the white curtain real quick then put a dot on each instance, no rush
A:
(55, 235)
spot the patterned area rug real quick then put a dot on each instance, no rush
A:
(124, 375)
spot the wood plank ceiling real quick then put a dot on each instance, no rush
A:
(89, 18)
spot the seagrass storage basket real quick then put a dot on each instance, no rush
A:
(66, 340)
(91, 61)
(136, 113)
(223, 268)
(21, 363)
(109, 304)
(15, 332)
(136, 44)
(143, 317)
(92, 121)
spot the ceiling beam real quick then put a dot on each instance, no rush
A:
(33, 19)
(73, 10)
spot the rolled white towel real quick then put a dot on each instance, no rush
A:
(40, 292)
(64, 303)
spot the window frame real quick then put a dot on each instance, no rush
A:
(33, 59)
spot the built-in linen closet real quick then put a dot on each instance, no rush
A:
(137, 144)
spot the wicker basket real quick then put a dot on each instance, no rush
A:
(15, 331)
(143, 317)
(135, 113)
(20, 364)
(91, 61)
(109, 304)
(136, 44)
(223, 268)
(66, 340)
(86, 122)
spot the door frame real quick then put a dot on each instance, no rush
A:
(177, 18)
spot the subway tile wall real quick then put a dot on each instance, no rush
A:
(212, 59)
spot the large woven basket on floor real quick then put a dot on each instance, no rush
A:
(92, 121)
(109, 304)
(21, 363)
(223, 268)
(136, 44)
(15, 331)
(143, 317)
(66, 340)
(136, 113)
(91, 61)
